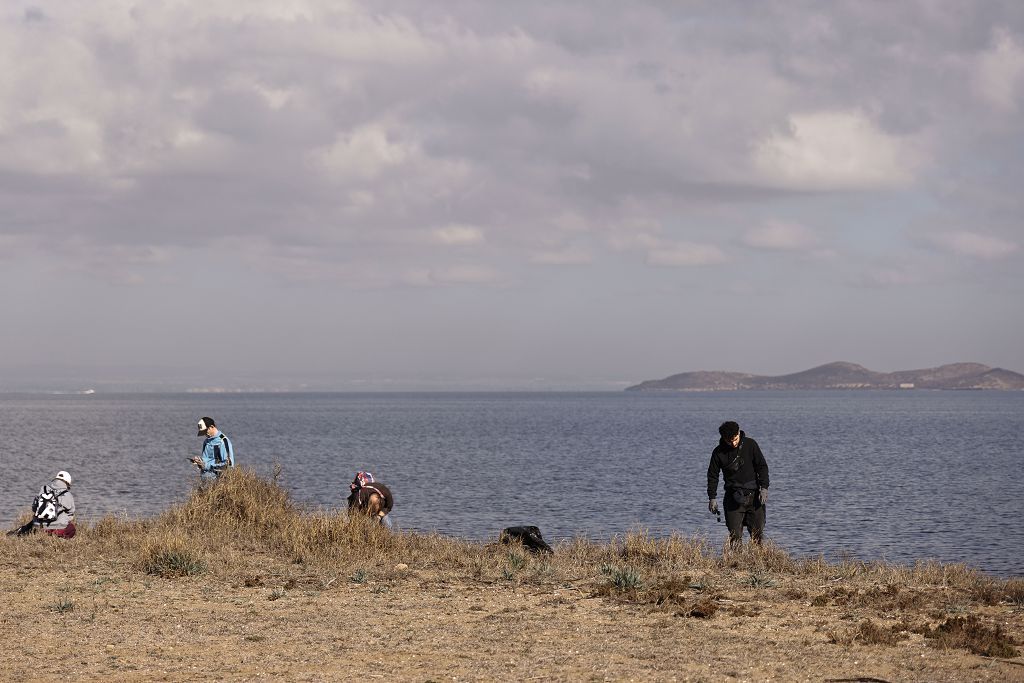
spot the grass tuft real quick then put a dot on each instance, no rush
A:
(870, 633)
(64, 605)
(1013, 592)
(759, 580)
(626, 578)
(971, 634)
(766, 558)
(705, 608)
(670, 591)
(516, 560)
(171, 555)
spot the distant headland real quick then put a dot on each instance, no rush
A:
(840, 375)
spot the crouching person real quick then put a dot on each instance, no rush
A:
(370, 498)
(53, 510)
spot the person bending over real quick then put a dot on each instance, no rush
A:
(371, 498)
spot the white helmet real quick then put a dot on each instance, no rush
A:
(64, 477)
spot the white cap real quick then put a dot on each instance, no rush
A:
(64, 477)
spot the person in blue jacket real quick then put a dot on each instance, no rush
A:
(217, 453)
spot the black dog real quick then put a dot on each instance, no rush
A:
(529, 536)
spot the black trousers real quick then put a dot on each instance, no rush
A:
(744, 509)
(23, 530)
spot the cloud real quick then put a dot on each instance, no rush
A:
(687, 254)
(834, 150)
(465, 274)
(780, 236)
(456, 274)
(17, 245)
(366, 152)
(999, 73)
(638, 234)
(974, 245)
(635, 234)
(287, 156)
(458, 235)
(361, 267)
(568, 256)
(887, 278)
(335, 133)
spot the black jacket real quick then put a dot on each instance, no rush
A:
(744, 467)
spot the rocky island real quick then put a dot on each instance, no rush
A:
(841, 375)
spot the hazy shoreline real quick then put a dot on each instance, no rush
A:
(841, 375)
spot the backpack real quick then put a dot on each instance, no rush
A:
(46, 507)
(529, 536)
(223, 454)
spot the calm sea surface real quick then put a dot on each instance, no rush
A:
(893, 475)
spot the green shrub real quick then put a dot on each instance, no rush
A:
(626, 578)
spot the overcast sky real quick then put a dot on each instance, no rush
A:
(271, 193)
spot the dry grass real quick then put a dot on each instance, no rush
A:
(870, 633)
(970, 633)
(881, 598)
(244, 515)
(675, 594)
(246, 532)
(219, 529)
(1014, 591)
(170, 554)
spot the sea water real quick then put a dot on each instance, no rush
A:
(892, 475)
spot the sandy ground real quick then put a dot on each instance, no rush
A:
(103, 620)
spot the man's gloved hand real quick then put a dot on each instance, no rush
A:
(713, 506)
(764, 496)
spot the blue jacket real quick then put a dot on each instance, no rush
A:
(217, 453)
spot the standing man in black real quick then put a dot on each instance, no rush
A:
(740, 460)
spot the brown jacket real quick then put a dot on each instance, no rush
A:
(360, 498)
